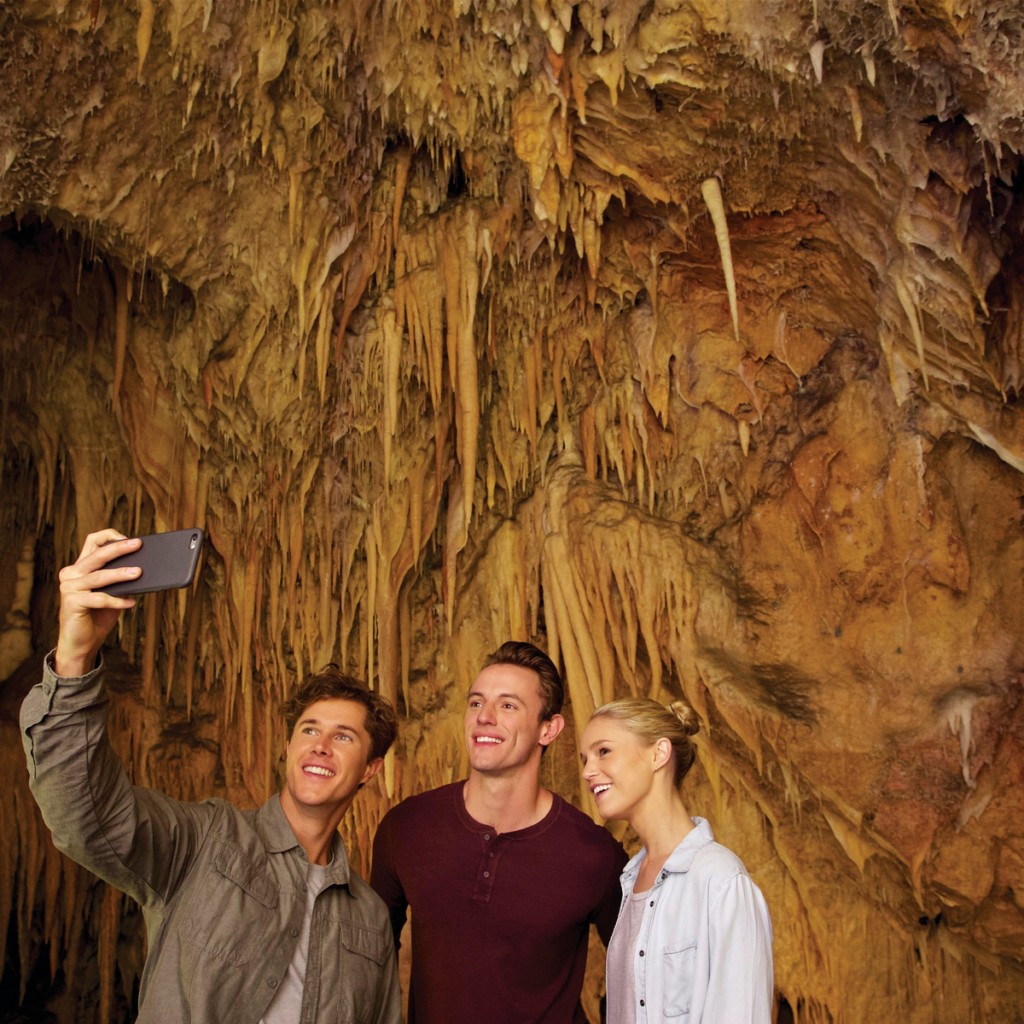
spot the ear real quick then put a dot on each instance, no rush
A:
(662, 753)
(372, 768)
(550, 729)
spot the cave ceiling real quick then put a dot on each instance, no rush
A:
(682, 337)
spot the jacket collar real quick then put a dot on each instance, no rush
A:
(278, 837)
(679, 860)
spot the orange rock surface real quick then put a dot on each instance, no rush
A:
(683, 338)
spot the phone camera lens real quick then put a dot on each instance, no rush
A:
(192, 545)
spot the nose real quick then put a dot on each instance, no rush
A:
(485, 714)
(589, 772)
(320, 746)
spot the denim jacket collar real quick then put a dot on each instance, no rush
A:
(679, 860)
(278, 837)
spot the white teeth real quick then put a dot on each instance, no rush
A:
(488, 739)
(601, 789)
(317, 770)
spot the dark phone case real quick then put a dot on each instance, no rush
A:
(166, 559)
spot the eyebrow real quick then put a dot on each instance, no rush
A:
(316, 721)
(501, 696)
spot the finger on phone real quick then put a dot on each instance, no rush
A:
(97, 599)
(102, 578)
(99, 539)
(107, 552)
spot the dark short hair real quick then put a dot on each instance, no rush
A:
(529, 656)
(332, 684)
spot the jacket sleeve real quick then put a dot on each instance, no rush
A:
(607, 911)
(140, 841)
(741, 985)
(385, 880)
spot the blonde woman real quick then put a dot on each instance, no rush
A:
(693, 938)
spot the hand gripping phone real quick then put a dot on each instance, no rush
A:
(167, 561)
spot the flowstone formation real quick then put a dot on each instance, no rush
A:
(681, 337)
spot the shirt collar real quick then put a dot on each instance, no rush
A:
(681, 857)
(278, 837)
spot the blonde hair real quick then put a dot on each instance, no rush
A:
(650, 721)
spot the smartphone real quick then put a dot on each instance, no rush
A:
(167, 560)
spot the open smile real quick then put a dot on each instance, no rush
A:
(598, 790)
(495, 740)
(316, 769)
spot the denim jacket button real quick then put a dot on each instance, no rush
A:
(272, 983)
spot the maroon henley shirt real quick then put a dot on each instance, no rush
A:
(500, 922)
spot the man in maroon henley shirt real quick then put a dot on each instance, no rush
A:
(504, 878)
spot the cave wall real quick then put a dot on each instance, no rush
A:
(683, 338)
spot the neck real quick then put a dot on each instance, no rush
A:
(661, 822)
(314, 827)
(509, 801)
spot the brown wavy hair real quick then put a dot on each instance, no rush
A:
(529, 656)
(332, 684)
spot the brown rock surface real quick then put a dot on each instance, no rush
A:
(428, 314)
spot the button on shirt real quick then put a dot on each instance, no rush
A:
(286, 1006)
(704, 949)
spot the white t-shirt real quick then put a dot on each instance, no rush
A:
(621, 949)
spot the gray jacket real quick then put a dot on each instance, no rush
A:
(222, 890)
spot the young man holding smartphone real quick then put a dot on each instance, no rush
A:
(504, 878)
(252, 916)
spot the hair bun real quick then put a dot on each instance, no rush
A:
(688, 718)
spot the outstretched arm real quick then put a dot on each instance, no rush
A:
(741, 986)
(139, 840)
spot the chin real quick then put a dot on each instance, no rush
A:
(484, 764)
(614, 811)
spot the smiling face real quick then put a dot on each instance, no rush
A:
(328, 757)
(618, 768)
(503, 726)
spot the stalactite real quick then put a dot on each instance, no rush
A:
(534, 422)
(711, 190)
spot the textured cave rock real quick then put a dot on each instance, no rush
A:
(683, 338)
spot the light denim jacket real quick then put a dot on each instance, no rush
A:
(704, 955)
